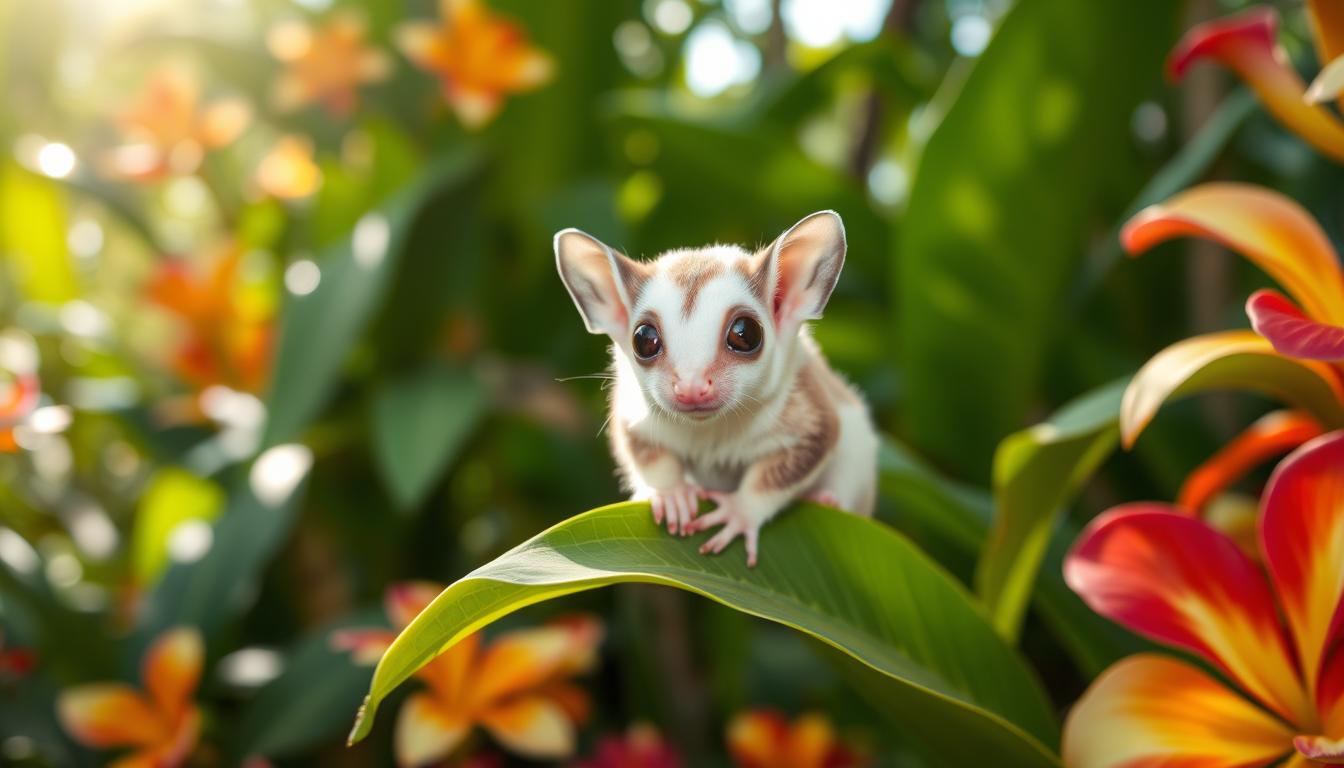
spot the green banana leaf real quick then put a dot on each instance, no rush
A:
(317, 331)
(1006, 194)
(1036, 472)
(852, 583)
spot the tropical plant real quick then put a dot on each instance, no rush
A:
(1164, 574)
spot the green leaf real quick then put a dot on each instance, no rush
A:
(1036, 472)
(420, 421)
(1035, 147)
(318, 330)
(311, 700)
(1187, 166)
(848, 581)
(955, 517)
(174, 496)
(207, 591)
(726, 180)
(32, 235)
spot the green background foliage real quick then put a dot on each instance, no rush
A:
(431, 401)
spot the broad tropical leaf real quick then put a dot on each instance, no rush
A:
(1036, 471)
(310, 701)
(955, 518)
(848, 581)
(979, 279)
(420, 420)
(216, 575)
(318, 330)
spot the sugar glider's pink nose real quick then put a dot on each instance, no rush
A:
(699, 390)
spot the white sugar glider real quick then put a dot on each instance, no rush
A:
(720, 391)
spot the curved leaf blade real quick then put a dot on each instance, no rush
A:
(850, 582)
(420, 421)
(318, 330)
(1036, 472)
(977, 282)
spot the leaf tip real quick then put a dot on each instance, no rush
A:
(363, 722)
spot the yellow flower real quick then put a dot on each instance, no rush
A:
(169, 131)
(288, 171)
(516, 686)
(162, 723)
(478, 56)
(326, 65)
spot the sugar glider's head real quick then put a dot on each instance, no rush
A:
(705, 330)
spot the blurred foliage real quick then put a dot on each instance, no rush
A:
(263, 355)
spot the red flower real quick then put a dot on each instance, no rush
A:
(639, 747)
(1276, 633)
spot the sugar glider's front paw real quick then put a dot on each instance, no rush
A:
(737, 518)
(678, 505)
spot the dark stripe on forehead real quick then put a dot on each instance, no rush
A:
(690, 275)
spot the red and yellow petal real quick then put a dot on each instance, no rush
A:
(812, 740)
(450, 673)
(426, 733)
(1174, 579)
(110, 715)
(758, 738)
(1229, 360)
(1269, 229)
(1327, 28)
(1302, 534)
(524, 659)
(172, 670)
(532, 726)
(1290, 331)
(1246, 45)
(1149, 711)
(1330, 692)
(1274, 434)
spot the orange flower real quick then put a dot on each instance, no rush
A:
(326, 65)
(1273, 632)
(226, 340)
(162, 724)
(168, 130)
(764, 739)
(1246, 45)
(19, 385)
(1295, 354)
(288, 171)
(516, 687)
(478, 56)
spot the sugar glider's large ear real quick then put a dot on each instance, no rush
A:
(603, 282)
(800, 268)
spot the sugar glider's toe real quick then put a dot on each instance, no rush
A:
(824, 498)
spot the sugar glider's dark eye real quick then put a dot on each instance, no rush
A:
(646, 342)
(744, 335)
